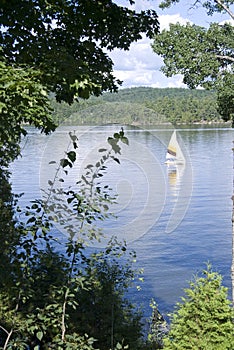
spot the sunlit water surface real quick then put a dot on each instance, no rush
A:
(176, 219)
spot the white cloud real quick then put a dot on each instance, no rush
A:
(140, 56)
(142, 5)
(165, 20)
(229, 21)
(150, 78)
(140, 66)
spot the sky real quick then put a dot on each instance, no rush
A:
(140, 66)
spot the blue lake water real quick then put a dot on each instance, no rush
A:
(176, 220)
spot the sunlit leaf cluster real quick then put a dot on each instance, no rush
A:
(23, 100)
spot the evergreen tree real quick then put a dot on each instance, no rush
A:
(204, 318)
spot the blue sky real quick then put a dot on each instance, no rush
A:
(140, 66)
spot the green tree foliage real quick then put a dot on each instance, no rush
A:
(212, 6)
(104, 312)
(116, 112)
(59, 47)
(65, 41)
(23, 100)
(204, 56)
(142, 106)
(204, 318)
(226, 96)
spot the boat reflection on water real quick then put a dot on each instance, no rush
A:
(175, 175)
(172, 177)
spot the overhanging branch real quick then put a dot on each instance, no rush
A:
(223, 57)
(226, 8)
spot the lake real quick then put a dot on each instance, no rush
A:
(175, 219)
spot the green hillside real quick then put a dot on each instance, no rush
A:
(141, 106)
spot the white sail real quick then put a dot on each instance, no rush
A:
(174, 153)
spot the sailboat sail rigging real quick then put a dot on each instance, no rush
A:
(174, 153)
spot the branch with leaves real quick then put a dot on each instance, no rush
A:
(204, 56)
(50, 318)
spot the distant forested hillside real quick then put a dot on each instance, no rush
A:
(141, 106)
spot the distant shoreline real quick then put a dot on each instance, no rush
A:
(136, 124)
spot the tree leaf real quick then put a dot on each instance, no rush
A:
(39, 335)
(72, 156)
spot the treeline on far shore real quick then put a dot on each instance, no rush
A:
(141, 106)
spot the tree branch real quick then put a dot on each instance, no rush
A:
(223, 57)
(4, 329)
(7, 339)
(63, 326)
(8, 336)
(226, 8)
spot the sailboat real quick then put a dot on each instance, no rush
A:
(174, 154)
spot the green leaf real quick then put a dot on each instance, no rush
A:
(117, 136)
(125, 140)
(73, 137)
(64, 163)
(72, 156)
(116, 160)
(31, 220)
(39, 335)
